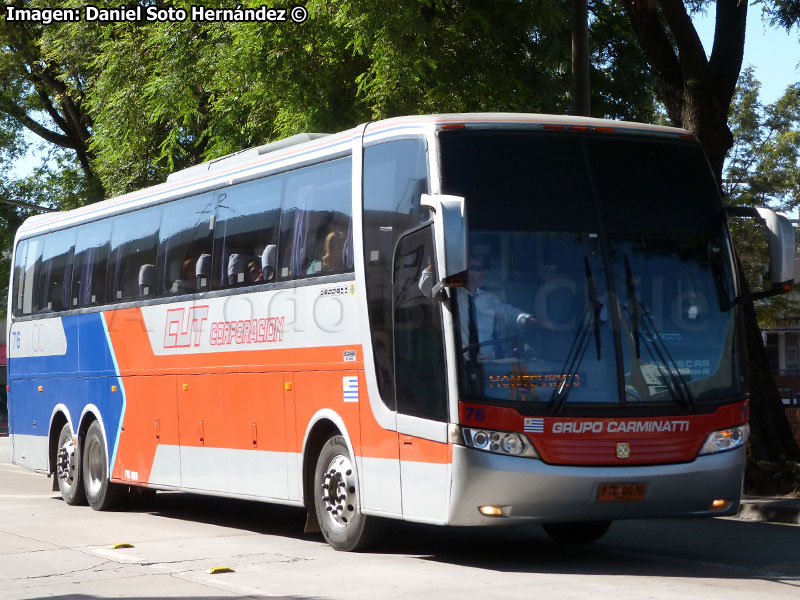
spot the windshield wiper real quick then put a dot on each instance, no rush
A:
(591, 317)
(657, 347)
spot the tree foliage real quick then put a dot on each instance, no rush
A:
(135, 101)
(763, 169)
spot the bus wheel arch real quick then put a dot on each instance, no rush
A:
(320, 432)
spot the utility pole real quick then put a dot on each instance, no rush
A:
(579, 25)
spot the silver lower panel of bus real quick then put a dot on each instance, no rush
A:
(530, 490)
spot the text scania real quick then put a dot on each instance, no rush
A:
(670, 426)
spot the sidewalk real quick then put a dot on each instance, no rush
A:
(772, 510)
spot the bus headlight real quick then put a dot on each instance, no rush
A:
(725, 439)
(499, 442)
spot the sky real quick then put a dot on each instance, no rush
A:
(773, 52)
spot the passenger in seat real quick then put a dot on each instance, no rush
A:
(333, 259)
(186, 284)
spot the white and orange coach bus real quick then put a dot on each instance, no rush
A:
(474, 319)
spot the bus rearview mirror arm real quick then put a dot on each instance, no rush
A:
(780, 238)
(450, 238)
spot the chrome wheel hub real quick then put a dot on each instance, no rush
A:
(65, 462)
(339, 491)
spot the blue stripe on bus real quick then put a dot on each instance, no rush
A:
(113, 456)
(75, 379)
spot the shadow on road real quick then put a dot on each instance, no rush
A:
(709, 548)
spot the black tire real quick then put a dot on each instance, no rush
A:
(68, 469)
(100, 492)
(577, 533)
(336, 493)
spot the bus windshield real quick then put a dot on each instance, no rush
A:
(600, 271)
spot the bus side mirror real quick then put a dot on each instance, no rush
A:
(450, 236)
(780, 238)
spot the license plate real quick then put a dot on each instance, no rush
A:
(621, 492)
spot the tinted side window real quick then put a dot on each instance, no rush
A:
(55, 275)
(184, 250)
(30, 285)
(134, 238)
(418, 346)
(91, 264)
(395, 175)
(19, 278)
(316, 233)
(246, 233)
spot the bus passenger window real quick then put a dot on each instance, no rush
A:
(247, 222)
(185, 236)
(56, 271)
(134, 239)
(91, 264)
(33, 262)
(19, 276)
(316, 226)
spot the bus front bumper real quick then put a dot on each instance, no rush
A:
(528, 489)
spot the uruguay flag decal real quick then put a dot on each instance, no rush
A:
(350, 389)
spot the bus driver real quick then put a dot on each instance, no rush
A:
(483, 316)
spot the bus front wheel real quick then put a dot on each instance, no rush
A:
(100, 492)
(68, 468)
(576, 533)
(336, 499)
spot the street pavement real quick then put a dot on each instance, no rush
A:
(51, 550)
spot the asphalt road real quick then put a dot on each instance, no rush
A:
(49, 549)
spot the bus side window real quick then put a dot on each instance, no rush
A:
(134, 239)
(185, 236)
(248, 216)
(30, 286)
(55, 275)
(91, 264)
(316, 224)
(421, 389)
(395, 175)
(19, 277)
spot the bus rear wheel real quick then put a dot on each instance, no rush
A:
(336, 499)
(576, 533)
(100, 492)
(68, 468)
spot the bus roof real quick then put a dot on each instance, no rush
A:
(307, 147)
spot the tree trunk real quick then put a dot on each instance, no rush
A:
(773, 453)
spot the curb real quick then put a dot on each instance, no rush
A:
(770, 510)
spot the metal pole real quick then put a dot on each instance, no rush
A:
(579, 25)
